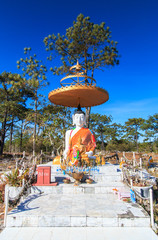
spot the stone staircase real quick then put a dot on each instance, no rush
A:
(86, 205)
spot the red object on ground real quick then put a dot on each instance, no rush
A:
(44, 177)
(122, 195)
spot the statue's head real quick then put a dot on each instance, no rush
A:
(79, 118)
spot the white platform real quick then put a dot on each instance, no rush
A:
(88, 211)
(78, 233)
(86, 205)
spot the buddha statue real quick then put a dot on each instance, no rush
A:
(79, 142)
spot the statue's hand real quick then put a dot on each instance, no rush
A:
(90, 153)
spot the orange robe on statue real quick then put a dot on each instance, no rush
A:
(83, 141)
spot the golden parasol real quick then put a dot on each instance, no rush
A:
(78, 92)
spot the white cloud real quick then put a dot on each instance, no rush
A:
(122, 111)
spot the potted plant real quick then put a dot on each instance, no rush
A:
(142, 187)
(14, 179)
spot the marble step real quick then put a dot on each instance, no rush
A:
(78, 233)
(84, 188)
(97, 177)
(106, 169)
(106, 173)
(89, 210)
(76, 221)
(106, 178)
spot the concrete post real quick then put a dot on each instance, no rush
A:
(23, 182)
(134, 158)
(141, 162)
(6, 201)
(151, 208)
(131, 183)
(122, 176)
(33, 157)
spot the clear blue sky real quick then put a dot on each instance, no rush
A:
(132, 86)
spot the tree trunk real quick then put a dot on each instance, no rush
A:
(137, 143)
(2, 142)
(21, 136)
(88, 110)
(137, 139)
(3, 132)
(11, 136)
(35, 123)
(102, 142)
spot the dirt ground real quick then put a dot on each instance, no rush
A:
(129, 156)
(2, 206)
(1, 216)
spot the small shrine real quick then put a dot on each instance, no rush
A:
(78, 90)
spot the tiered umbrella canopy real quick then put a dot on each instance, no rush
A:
(80, 89)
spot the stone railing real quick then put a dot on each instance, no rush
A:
(145, 202)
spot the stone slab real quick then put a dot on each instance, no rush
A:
(90, 209)
(78, 233)
(96, 188)
(87, 205)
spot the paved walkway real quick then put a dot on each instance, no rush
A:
(78, 233)
(79, 212)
